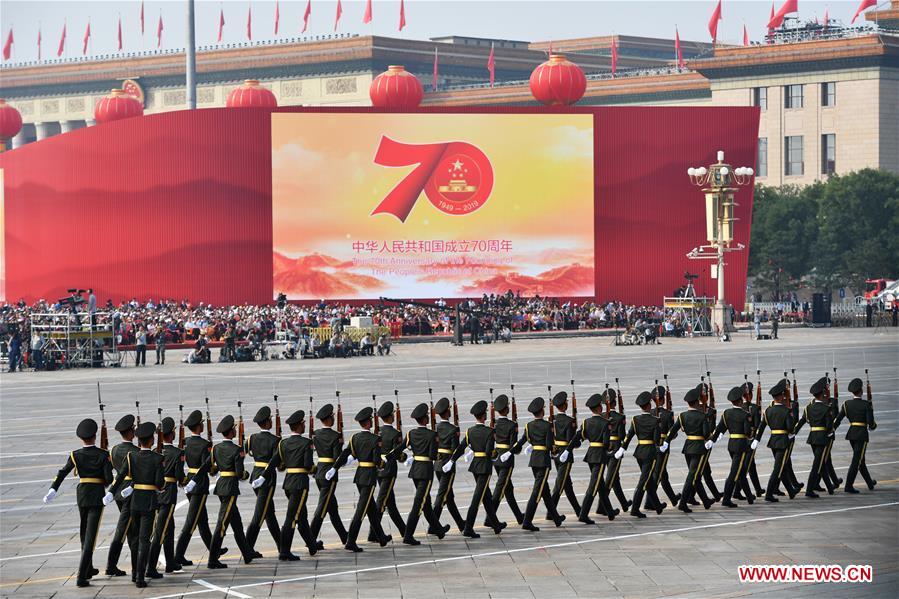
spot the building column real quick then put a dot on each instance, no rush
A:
(19, 140)
(42, 131)
(66, 126)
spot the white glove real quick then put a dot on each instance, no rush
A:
(528, 450)
(330, 473)
(448, 466)
(563, 457)
(107, 499)
(51, 494)
(258, 482)
(190, 486)
(664, 447)
(754, 444)
(468, 455)
(791, 437)
(408, 462)
(619, 453)
(830, 434)
(350, 461)
(127, 491)
(708, 444)
(505, 457)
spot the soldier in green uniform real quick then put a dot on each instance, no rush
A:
(711, 415)
(328, 444)
(227, 461)
(828, 471)
(735, 422)
(147, 477)
(91, 464)
(780, 419)
(860, 414)
(595, 432)
(447, 442)
(617, 429)
(506, 433)
(164, 525)
(294, 456)
(539, 434)
(386, 500)
(666, 420)
(566, 441)
(817, 414)
(755, 418)
(261, 447)
(124, 527)
(196, 457)
(645, 427)
(696, 426)
(422, 442)
(365, 448)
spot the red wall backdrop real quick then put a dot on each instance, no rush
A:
(178, 204)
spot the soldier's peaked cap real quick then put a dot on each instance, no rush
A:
(479, 407)
(536, 405)
(125, 423)
(226, 424)
(193, 419)
(560, 398)
(735, 395)
(296, 417)
(779, 388)
(609, 394)
(167, 425)
(594, 400)
(325, 411)
(660, 392)
(364, 414)
(420, 411)
(692, 396)
(386, 409)
(442, 405)
(86, 429)
(644, 399)
(146, 430)
(818, 386)
(262, 415)
(501, 402)
(855, 386)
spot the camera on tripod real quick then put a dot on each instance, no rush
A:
(74, 300)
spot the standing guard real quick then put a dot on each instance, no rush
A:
(125, 528)
(735, 421)
(860, 414)
(261, 447)
(595, 431)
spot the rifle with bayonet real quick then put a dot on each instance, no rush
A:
(277, 417)
(374, 404)
(240, 426)
(104, 435)
(573, 396)
(180, 426)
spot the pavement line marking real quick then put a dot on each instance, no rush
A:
(34, 581)
(226, 591)
(474, 556)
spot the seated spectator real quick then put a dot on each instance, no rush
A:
(366, 347)
(384, 344)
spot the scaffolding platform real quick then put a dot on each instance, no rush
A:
(76, 340)
(695, 313)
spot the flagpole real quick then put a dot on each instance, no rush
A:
(190, 54)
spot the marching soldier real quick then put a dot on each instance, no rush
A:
(566, 441)
(539, 434)
(711, 415)
(696, 426)
(124, 529)
(645, 427)
(163, 526)
(817, 414)
(447, 442)
(390, 438)
(145, 470)
(196, 456)
(91, 464)
(755, 417)
(595, 431)
(860, 414)
(506, 433)
(616, 434)
(780, 419)
(294, 456)
(261, 447)
(328, 445)
(666, 420)
(227, 461)
(365, 448)
(422, 442)
(735, 421)
(829, 472)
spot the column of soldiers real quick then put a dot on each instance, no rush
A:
(146, 483)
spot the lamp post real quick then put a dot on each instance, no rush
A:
(719, 181)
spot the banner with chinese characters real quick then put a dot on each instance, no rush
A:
(432, 205)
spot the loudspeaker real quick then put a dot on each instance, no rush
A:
(820, 309)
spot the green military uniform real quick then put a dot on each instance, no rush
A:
(666, 421)
(696, 427)
(261, 447)
(328, 444)
(755, 418)
(828, 471)
(505, 433)
(817, 415)
(711, 415)
(386, 500)
(595, 432)
(565, 438)
(124, 529)
(779, 418)
(164, 526)
(227, 461)
(645, 427)
(617, 428)
(294, 457)
(736, 423)
(539, 433)
(860, 414)
(480, 442)
(447, 442)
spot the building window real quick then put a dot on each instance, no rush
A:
(761, 158)
(828, 154)
(793, 156)
(760, 97)
(829, 94)
(793, 96)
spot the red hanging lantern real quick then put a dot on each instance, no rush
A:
(558, 82)
(251, 95)
(396, 88)
(10, 123)
(116, 106)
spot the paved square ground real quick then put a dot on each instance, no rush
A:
(662, 556)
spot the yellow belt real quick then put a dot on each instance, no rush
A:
(445, 451)
(738, 436)
(502, 446)
(93, 481)
(816, 429)
(127, 478)
(614, 438)
(779, 431)
(298, 471)
(480, 454)
(326, 460)
(193, 470)
(539, 447)
(367, 465)
(596, 444)
(646, 442)
(171, 479)
(261, 464)
(421, 458)
(695, 438)
(146, 488)
(560, 443)
(850, 424)
(227, 473)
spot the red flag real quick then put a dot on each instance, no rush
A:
(306, 15)
(826, 19)
(7, 46)
(221, 22)
(141, 18)
(771, 18)
(402, 14)
(745, 35)
(491, 65)
(87, 37)
(713, 22)
(159, 31)
(339, 12)
(277, 16)
(865, 5)
(62, 41)
(677, 49)
(366, 18)
(788, 7)
(120, 33)
(615, 55)
(434, 80)
(39, 43)
(250, 23)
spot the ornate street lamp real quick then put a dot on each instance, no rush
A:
(719, 182)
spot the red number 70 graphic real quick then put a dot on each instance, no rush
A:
(456, 176)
